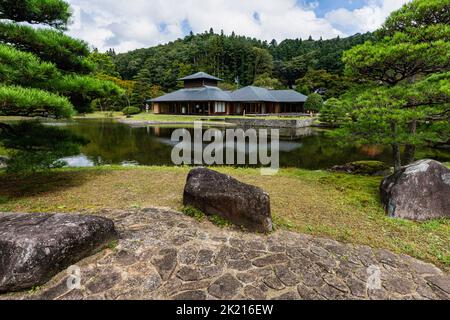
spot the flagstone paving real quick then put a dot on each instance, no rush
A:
(163, 254)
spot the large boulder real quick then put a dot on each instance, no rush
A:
(420, 191)
(218, 194)
(35, 247)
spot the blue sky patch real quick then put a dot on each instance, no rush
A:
(185, 26)
(321, 7)
(162, 27)
(257, 17)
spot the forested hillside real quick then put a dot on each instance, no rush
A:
(235, 58)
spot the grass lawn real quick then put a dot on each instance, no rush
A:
(170, 117)
(338, 206)
(141, 117)
(101, 115)
(13, 118)
(173, 118)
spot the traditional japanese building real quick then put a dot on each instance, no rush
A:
(202, 96)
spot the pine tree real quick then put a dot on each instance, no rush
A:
(407, 72)
(42, 73)
(142, 89)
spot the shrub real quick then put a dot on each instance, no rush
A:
(333, 112)
(314, 102)
(128, 111)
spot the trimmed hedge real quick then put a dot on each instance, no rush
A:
(128, 111)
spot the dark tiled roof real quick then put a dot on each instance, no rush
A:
(288, 96)
(252, 94)
(247, 94)
(200, 75)
(257, 94)
(196, 94)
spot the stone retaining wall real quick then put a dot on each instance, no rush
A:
(273, 123)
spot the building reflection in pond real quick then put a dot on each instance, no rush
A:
(308, 148)
(372, 151)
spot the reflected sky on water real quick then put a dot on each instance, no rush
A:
(309, 148)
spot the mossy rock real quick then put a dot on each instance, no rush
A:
(370, 168)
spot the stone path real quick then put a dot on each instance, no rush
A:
(166, 255)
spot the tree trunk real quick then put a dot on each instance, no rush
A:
(396, 149)
(410, 150)
(397, 157)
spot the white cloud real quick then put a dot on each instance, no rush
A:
(367, 18)
(127, 25)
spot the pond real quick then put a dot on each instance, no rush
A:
(308, 148)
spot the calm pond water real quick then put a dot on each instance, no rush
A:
(309, 148)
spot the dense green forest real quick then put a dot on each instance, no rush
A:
(236, 59)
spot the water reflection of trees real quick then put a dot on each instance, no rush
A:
(113, 143)
(320, 152)
(372, 151)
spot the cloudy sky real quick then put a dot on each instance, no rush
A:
(132, 24)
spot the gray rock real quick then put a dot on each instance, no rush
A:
(441, 282)
(274, 283)
(420, 191)
(273, 259)
(217, 194)
(153, 282)
(226, 287)
(190, 295)
(35, 247)
(335, 282)
(166, 262)
(306, 293)
(189, 274)
(104, 282)
(240, 265)
(288, 296)
(285, 275)
(254, 293)
(205, 257)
